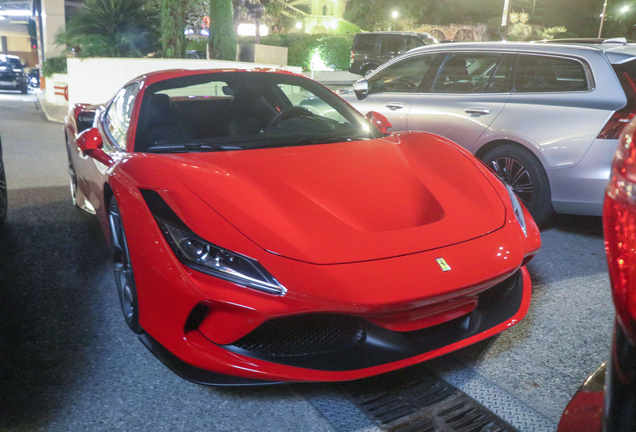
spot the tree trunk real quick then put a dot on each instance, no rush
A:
(173, 40)
(222, 40)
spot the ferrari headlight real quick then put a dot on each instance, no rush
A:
(518, 209)
(206, 257)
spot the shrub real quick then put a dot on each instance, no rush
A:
(335, 50)
(54, 65)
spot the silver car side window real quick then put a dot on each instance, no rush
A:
(538, 73)
(403, 76)
(500, 80)
(466, 73)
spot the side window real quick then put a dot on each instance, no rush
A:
(300, 96)
(365, 42)
(536, 73)
(119, 113)
(466, 73)
(403, 76)
(391, 45)
(412, 42)
(500, 80)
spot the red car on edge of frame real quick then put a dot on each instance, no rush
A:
(256, 240)
(607, 400)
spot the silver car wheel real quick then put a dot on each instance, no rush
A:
(519, 168)
(513, 173)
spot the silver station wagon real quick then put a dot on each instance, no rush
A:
(545, 117)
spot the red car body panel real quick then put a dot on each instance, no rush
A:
(352, 229)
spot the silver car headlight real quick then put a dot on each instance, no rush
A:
(206, 257)
(518, 209)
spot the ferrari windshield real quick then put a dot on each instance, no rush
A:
(243, 110)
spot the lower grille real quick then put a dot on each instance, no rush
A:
(304, 335)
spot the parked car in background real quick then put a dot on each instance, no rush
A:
(12, 75)
(607, 400)
(255, 240)
(370, 50)
(194, 54)
(544, 117)
(3, 190)
(34, 77)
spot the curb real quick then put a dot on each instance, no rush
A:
(40, 97)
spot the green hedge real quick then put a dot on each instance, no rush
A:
(335, 50)
(54, 65)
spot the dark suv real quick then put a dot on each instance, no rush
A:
(370, 50)
(12, 76)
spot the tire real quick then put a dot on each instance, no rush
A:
(124, 276)
(520, 169)
(3, 192)
(24, 89)
(72, 179)
(368, 70)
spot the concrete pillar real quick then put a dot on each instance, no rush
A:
(53, 22)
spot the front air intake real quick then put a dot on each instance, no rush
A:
(304, 335)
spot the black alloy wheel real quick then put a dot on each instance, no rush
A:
(3, 192)
(124, 276)
(523, 172)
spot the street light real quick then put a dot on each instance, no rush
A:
(600, 29)
(394, 14)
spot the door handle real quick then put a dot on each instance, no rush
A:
(394, 105)
(476, 112)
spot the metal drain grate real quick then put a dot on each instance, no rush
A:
(426, 403)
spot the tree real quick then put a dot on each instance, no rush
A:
(520, 30)
(112, 28)
(222, 40)
(173, 40)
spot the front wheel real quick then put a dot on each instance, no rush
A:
(368, 70)
(3, 193)
(124, 276)
(520, 169)
(72, 174)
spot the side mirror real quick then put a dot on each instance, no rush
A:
(361, 88)
(90, 143)
(379, 121)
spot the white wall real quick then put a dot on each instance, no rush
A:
(96, 80)
(53, 22)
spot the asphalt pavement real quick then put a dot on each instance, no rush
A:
(69, 363)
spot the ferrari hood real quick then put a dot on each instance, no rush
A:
(347, 202)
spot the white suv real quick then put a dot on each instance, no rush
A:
(545, 117)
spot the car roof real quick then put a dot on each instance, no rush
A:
(396, 33)
(616, 53)
(153, 77)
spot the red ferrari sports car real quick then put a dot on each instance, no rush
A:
(257, 240)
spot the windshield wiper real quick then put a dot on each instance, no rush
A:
(190, 147)
(308, 141)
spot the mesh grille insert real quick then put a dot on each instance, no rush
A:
(304, 335)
